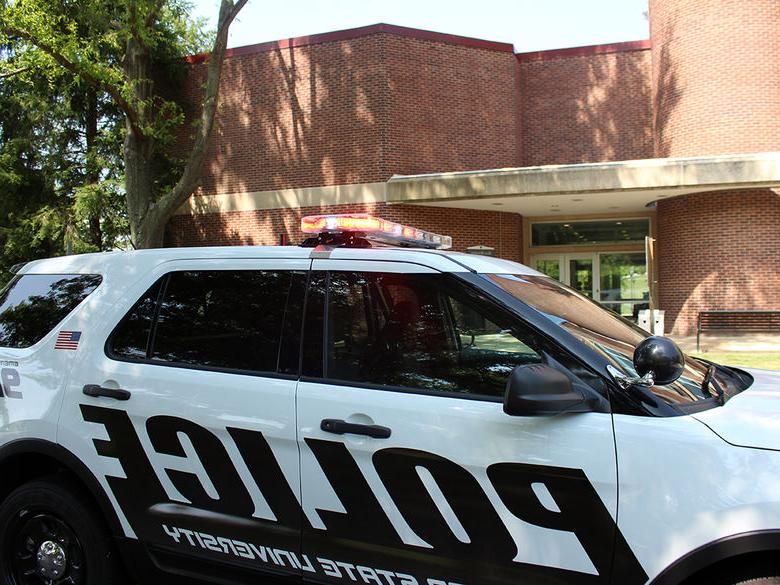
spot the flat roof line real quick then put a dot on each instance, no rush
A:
(427, 35)
(353, 33)
(585, 51)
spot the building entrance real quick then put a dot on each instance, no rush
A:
(618, 280)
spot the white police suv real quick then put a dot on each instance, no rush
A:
(357, 413)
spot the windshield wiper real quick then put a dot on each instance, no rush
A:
(708, 382)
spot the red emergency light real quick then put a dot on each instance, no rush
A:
(374, 229)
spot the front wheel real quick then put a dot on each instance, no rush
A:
(51, 535)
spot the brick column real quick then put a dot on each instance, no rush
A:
(716, 76)
(718, 250)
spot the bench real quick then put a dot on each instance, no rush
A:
(749, 321)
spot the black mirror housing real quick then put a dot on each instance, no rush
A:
(539, 390)
(661, 358)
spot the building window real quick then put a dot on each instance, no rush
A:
(583, 233)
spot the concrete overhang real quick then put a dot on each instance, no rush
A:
(610, 187)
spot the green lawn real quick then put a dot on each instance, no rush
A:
(767, 360)
(747, 359)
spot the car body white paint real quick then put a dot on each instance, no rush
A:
(672, 484)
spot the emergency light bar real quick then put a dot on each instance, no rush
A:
(374, 229)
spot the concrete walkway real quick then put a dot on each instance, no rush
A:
(714, 342)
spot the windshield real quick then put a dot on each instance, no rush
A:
(610, 334)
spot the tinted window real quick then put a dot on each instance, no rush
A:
(33, 304)
(422, 331)
(614, 337)
(131, 337)
(223, 319)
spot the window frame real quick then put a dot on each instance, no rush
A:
(164, 279)
(474, 283)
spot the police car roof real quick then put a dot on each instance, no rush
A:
(139, 261)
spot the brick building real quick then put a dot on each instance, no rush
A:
(638, 172)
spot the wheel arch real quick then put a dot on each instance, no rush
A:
(724, 551)
(26, 459)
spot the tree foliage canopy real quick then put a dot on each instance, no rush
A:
(88, 114)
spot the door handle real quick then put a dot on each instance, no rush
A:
(95, 390)
(340, 427)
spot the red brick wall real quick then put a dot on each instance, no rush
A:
(450, 107)
(586, 108)
(358, 110)
(502, 231)
(297, 117)
(716, 72)
(718, 251)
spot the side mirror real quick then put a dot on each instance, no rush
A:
(536, 390)
(661, 358)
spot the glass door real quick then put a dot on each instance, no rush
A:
(623, 283)
(580, 274)
(549, 264)
(579, 271)
(618, 280)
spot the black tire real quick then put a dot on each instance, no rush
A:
(52, 518)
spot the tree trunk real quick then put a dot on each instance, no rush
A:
(148, 214)
(139, 153)
(139, 190)
(92, 174)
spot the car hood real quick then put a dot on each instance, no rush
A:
(752, 417)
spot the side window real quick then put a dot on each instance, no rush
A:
(231, 319)
(130, 339)
(421, 331)
(33, 304)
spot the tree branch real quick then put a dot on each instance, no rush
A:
(191, 175)
(8, 74)
(152, 16)
(116, 95)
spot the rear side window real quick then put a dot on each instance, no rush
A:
(231, 319)
(131, 338)
(33, 304)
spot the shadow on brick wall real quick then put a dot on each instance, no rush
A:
(665, 101)
(282, 112)
(205, 227)
(619, 90)
(279, 116)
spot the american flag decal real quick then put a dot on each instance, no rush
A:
(67, 340)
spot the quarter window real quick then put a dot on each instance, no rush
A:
(131, 338)
(33, 304)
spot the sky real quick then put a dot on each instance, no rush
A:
(531, 25)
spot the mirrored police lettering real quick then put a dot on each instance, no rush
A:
(147, 506)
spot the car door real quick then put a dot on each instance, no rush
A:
(410, 470)
(186, 406)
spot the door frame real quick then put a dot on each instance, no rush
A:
(563, 263)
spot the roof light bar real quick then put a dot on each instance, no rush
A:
(374, 229)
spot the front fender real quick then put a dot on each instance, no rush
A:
(717, 551)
